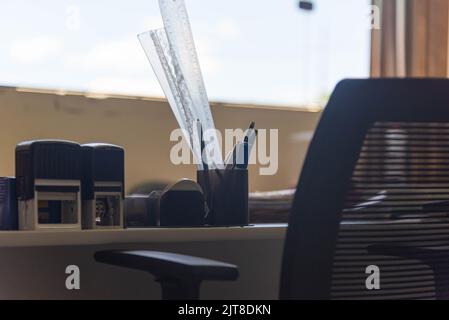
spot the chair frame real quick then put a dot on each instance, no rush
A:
(314, 221)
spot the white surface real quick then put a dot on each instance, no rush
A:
(152, 235)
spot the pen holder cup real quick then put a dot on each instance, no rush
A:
(226, 193)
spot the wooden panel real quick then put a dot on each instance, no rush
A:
(401, 38)
(376, 47)
(437, 43)
(427, 39)
(388, 55)
(417, 12)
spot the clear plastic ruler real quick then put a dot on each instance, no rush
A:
(163, 61)
(177, 26)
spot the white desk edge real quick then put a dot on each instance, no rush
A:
(150, 235)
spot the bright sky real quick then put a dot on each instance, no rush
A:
(256, 51)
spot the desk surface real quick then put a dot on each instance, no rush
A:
(150, 235)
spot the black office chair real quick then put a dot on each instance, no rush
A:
(374, 190)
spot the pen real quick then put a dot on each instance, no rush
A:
(250, 134)
(200, 148)
(203, 147)
(240, 158)
(251, 141)
(231, 158)
(250, 129)
(205, 169)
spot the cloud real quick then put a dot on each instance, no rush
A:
(120, 65)
(35, 50)
(124, 56)
(227, 28)
(210, 64)
(152, 22)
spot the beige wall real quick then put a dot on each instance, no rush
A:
(143, 127)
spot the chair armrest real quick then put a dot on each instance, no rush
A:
(170, 265)
(180, 275)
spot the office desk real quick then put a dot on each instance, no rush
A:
(137, 235)
(33, 263)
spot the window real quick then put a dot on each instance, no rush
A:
(254, 51)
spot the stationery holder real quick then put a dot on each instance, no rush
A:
(226, 193)
(9, 217)
(179, 205)
(140, 210)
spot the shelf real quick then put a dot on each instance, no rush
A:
(150, 235)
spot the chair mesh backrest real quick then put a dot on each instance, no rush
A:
(397, 195)
(374, 191)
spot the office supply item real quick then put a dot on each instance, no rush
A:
(376, 135)
(139, 211)
(171, 51)
(48, 174)
(204, 167)
(203, 147)
(181, 204)
(177, 26)
(166, 68)
(251, 141)
(103, 185)
(251, 127)
(239, 157)
(9, 216)
(250, 137)
(231, 158)
(199, 139)
(227, 196)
